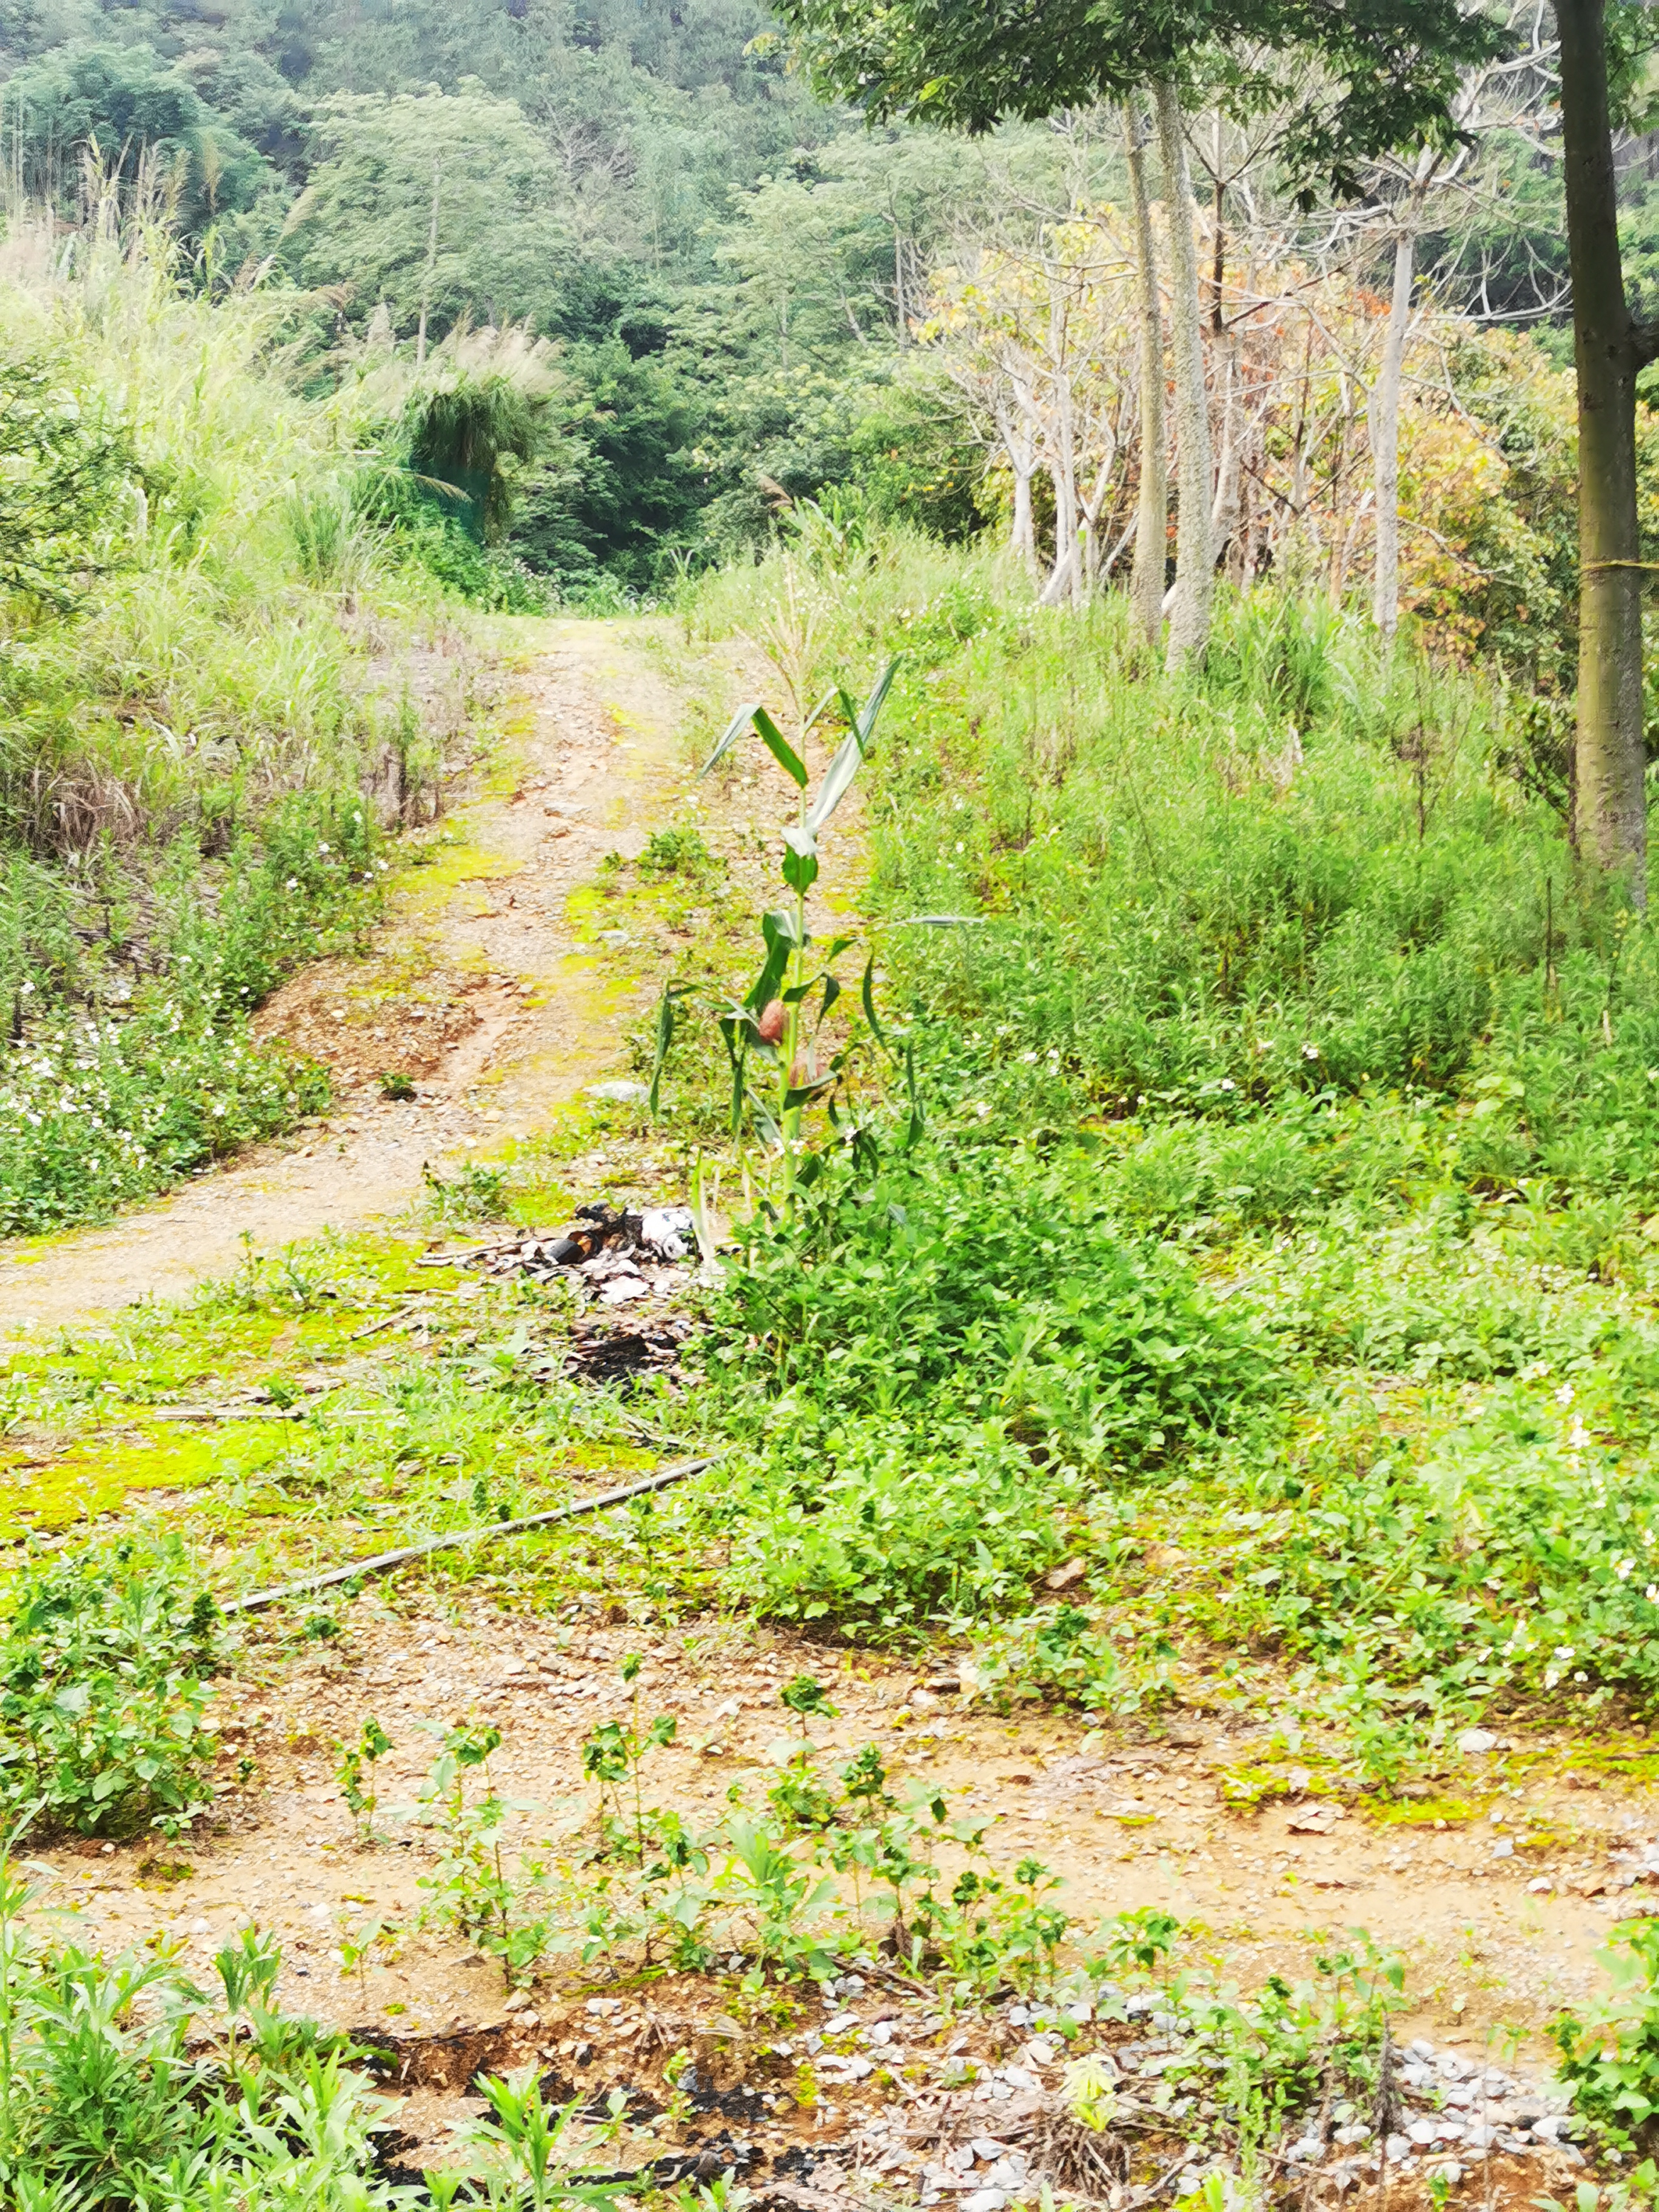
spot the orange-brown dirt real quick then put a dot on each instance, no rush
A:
(1493, 1945)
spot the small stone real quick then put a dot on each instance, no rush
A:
(620, 1094)
(985, 2200)
(1475, 1741)
(1542, 1887)
(841, 2023)
(1421, 2132)
(1398, 2146)
(1504, 1849)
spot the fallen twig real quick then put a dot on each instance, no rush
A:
(228, 1412)
(398, 1313)
(382, 1562)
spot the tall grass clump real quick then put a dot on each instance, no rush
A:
(195, 762)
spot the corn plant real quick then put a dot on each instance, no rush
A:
(778, 1023)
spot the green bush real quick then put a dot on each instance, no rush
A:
(118, 1099)
(102, 1702)
(935, 1359)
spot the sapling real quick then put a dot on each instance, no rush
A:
(805, 1696)
(614, 1755)
(771, 1024)
(356, 1945)
(355, 1775)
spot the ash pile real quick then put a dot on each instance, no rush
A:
(608, 1258)
(644, 1262)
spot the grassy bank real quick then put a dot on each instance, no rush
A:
(222, 682)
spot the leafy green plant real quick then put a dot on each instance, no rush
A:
(491, 1894)
(355, 1771)
(473, 1193)
(614, 1755)
(103, 1697)
(118, 2087)
(1610, 2056)
(770, 1025)
(780, 1895)
(534, 2151)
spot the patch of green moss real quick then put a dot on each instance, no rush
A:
(1419, 1812)
(97, 1475)
(444, 868)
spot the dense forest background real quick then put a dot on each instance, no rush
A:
(749, 296)
(728, 268)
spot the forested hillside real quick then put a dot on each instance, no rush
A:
(728, 266)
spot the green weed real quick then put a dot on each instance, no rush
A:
(102, 1712)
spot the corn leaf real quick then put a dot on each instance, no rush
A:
(780, 747)
(734, 729)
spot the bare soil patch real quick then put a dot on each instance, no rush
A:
(1129, 1818)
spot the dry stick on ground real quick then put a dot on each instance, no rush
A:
(382, 1562)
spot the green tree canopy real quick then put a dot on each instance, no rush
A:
(364, 222)
(124, 102)
(1389, 67)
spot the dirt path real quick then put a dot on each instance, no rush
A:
(1494, 1944)
(483, 988)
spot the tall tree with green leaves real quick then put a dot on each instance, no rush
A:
(1390, 70)
(1390, 74)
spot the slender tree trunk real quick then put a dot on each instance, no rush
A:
(1152, 514)
(1021, 538)
(1229, 468)
(1385, 433)
(1194, 590)
(431, 268)
(1062, 448)
(1607, 351)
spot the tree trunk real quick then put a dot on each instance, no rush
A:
(1152, 514)
(1014, 412)
(1062, 447)
(1194, 590)
(1607, 352)
(1021, 538)
(1385, 434)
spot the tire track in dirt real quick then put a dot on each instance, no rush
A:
(479, 983)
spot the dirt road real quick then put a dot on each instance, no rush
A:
(482, 984)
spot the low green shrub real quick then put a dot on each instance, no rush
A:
(103, 1695)
(124, 2089)
(1610, 2057)
(113, 1091)
(934, 1359)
